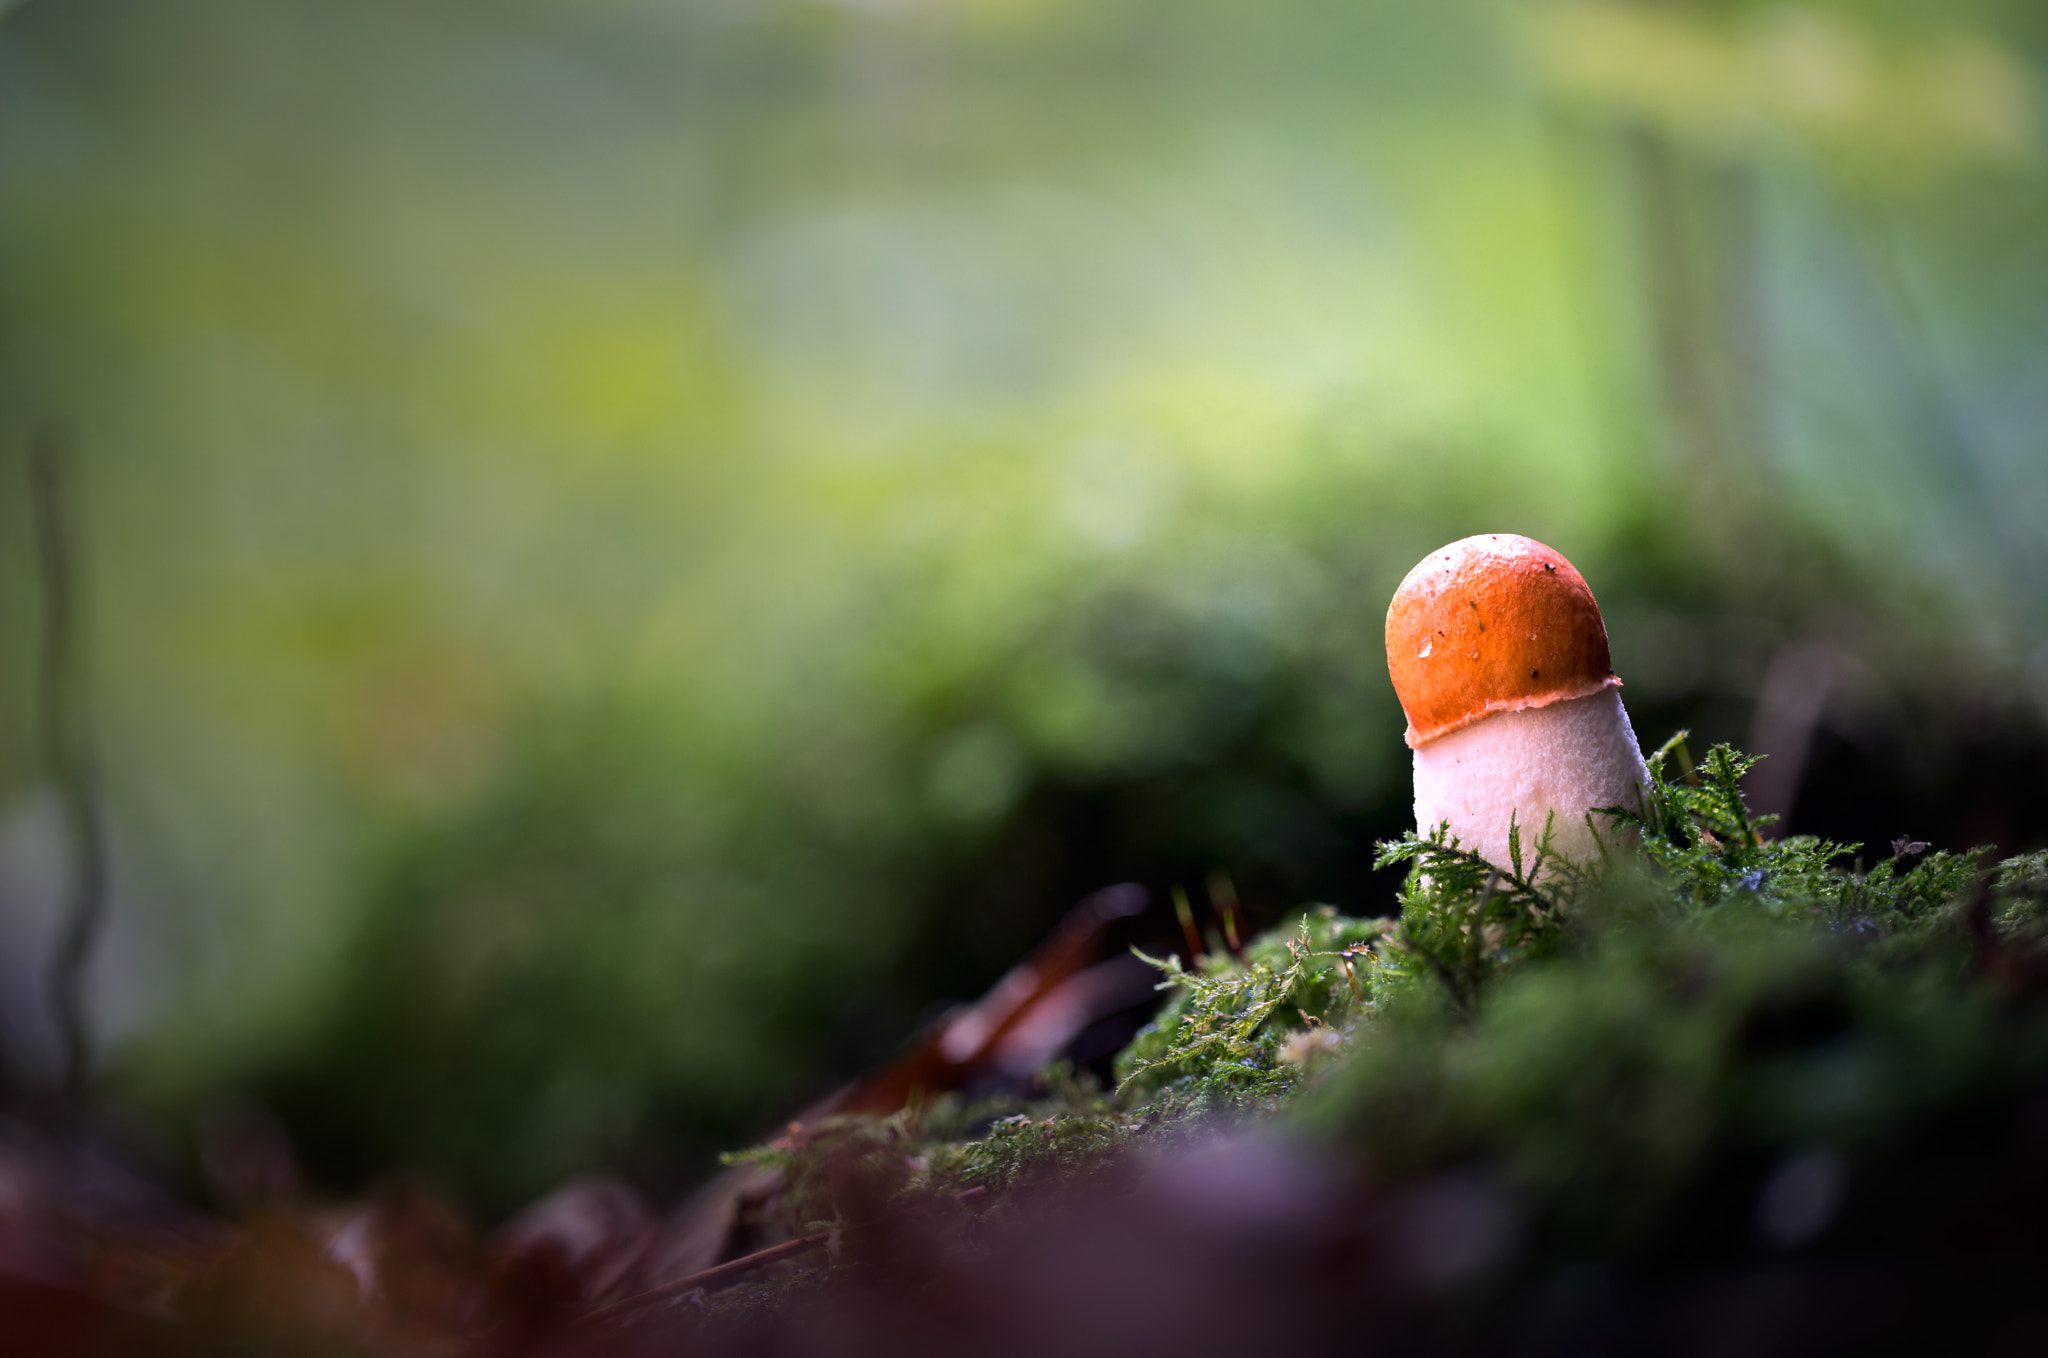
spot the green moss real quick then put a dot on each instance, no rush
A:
(1239, 1034)
(1605, 1036)
(851, 1169)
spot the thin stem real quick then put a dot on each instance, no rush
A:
(67, 752)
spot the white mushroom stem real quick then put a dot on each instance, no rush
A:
(1566, 758)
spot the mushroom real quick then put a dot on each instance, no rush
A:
(1499, 657)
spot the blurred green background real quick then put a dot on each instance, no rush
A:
(631, 548)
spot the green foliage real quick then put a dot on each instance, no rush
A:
(556, 982)
(1616, 1041)
(2021, 891)
(1721, 1006)
(1463, 918)
(1229, 1040)
(1706, 850)
(1694, 848)
(1235, 1038)
(1025, 1149)
(1700, 836)
(1655, 1080)
(848, 1170)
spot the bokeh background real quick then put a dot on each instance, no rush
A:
(626, 551)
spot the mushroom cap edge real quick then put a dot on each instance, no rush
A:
(1496, 622)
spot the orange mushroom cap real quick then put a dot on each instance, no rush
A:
(1494, 623)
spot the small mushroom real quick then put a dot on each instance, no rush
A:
(1499, 657)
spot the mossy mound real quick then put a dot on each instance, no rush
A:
(1708, 1051)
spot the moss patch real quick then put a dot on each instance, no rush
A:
(1629, 1047)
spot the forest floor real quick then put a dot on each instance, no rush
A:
(1715, 1091)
